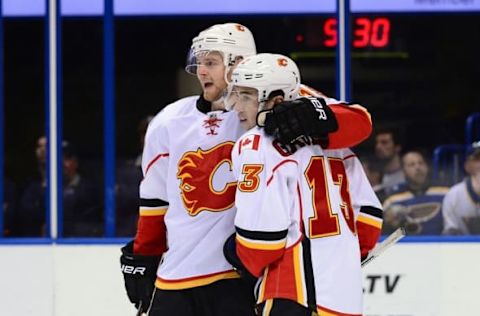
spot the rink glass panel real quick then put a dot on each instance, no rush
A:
(24, 201)
(423, 80)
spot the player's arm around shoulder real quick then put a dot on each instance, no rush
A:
(354, 125)
(353, 120)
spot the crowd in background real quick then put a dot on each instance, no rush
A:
(402, 179)
(82, 195)
(413, 199)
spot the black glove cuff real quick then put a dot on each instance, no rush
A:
(230, 253)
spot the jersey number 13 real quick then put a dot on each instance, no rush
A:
(325, 223)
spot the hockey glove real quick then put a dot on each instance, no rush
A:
(139, 274)
(289, 120)
(230, 253)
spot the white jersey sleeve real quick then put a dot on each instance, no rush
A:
(365, 203)
(264, 199)
(151, 232)
(155, 162)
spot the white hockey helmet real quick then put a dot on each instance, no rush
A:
(267, 73)
(232, 40)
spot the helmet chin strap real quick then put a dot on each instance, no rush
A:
(225, 74)
(221, 98)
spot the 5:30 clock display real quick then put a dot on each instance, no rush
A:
(366, 32)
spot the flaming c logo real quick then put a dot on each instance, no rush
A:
(241, 28)
(196, 170)
(282, 62)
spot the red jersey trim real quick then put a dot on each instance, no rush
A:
(350, 156)
(323, 311)
(354, 126)
(278, 166)
(151, 235)
(154, 160)
(287, 271)
(375, 222)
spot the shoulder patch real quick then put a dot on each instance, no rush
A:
(250, 142)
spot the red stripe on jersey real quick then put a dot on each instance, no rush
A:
(350, 156)
(281, 272)
(255, 260)
(278, 166)
(368, 236)
(300, 203)
(332, 312)
(155, 160)
(151, 238)
(354, 126)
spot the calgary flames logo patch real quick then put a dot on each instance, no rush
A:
(282, 62)
(240, 27)
(212, 123)
(196, 171)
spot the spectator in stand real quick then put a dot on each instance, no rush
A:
(374, 173)
(461, 206)
(129, 175)
(387, 151)
(417, 203)
(82, 213)
(32, 207)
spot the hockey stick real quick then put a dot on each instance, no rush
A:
(140, 309)
(384, 245)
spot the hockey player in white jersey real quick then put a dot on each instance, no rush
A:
(305, 215)
(188, 191)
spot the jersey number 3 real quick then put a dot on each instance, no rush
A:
(324, 223)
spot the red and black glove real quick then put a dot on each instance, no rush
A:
(289, 120)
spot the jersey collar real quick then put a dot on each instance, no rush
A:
(203, 105)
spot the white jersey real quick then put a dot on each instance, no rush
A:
(461, 210)
(188, 179)
(320, 194)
